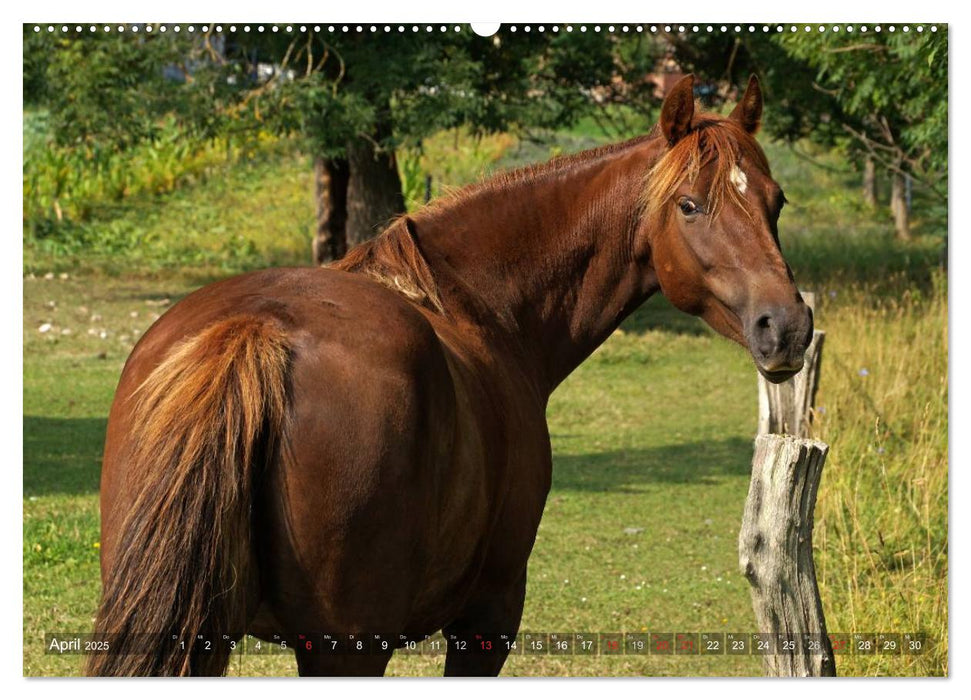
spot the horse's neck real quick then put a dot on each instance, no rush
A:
(546, 262)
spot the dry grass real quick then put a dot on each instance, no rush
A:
(882, 518)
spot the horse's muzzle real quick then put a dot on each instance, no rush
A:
(778, 338)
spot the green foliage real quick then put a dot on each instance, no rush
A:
(36, 57)
(115, 89)
(134, 112)
(797, 108)
(326, 119)
(400, 88)
(328, 88)
(412, 178)
(107, 87)
(892, 86)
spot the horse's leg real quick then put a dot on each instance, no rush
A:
(490, 614)
(311, 664)
(496, 606)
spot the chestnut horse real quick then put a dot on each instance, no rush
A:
(363, 448)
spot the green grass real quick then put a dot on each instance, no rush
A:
(69, 380)
(652, 435)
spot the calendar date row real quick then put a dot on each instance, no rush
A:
(526, 643)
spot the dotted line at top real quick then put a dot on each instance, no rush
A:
(428, 28)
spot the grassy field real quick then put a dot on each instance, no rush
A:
(652, 436)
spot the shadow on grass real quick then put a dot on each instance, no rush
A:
(626, 471)
(62, 456)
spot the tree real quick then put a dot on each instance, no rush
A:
(893, 89)
(111, 89)
(356, 97)
(352, 98)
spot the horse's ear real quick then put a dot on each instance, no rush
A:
(678, 110)
(748, 111)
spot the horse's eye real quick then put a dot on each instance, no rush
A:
(688, 206)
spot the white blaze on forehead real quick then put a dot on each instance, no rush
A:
(739, 178)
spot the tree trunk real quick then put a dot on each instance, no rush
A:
(870, 182)
(898, 205)
(775, 550)
(330, 185)
(374, 194)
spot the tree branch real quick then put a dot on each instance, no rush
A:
(310, 54)
(896, 158)
(213, 54)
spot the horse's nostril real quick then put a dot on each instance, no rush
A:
(780, 335)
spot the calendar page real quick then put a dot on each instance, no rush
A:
(611, 349)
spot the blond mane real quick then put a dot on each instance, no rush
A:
(394, 260)
(712, 139)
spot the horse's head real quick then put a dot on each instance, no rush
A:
(711, 212)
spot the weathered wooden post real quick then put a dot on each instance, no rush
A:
(776, 555)
(787, 408)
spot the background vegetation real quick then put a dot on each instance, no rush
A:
(651, 468)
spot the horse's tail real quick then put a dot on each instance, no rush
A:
(203, 424)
